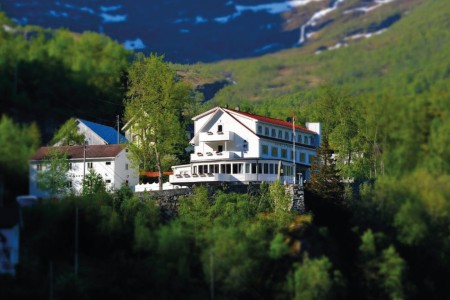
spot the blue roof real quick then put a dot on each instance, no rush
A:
(107, 133)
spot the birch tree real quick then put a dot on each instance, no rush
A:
(154, 104)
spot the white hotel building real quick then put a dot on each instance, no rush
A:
(231, 146)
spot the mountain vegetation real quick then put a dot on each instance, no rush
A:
(384, 103)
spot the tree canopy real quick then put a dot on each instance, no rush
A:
(154, 109)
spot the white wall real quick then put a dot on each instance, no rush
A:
(91, 137)
(115, 172)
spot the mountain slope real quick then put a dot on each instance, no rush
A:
(412, 47)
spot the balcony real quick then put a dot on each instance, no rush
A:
(189, 179)
(215, 136)
(212, 155)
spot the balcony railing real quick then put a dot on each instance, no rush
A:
(189, 178)
(216, 136)
(209, 155)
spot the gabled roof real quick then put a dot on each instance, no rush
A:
(77, 152)
(268, 120)
(107, 133)
(213, 112)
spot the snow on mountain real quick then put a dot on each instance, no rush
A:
(190, 31)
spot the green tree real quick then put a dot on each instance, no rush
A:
(53, 177)
(93, 183)
(313, 279)
(68, 135)
(325, 181)
(154, 105)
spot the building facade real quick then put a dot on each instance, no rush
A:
(110, 161)
(236, 147)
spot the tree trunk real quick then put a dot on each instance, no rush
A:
(160, 171)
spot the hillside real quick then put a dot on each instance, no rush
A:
(411, 53)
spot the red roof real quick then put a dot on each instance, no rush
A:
(269, 120)
(77, 152)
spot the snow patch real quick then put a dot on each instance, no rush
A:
(318, 15)
(200, 20)
(110, 8)
(57, 14)
(366, 9)
(265, 48)
(182, 20)
(134, 44)
(364, 35)
(80, 8)
(271, 8)
(107, 18)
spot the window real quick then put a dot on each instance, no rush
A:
(108, 181)
(271, 169)
(69, 184)
(219, 128)
(247, 168)
(283, 153)
(310, 158)
(228, 169)
(39, 167)
(108, 163)
(259, 129)
(280, 134)
(90, 165)
(275, 151)
(70, 166)
(265, 149)
(260, 168)
(266, 168)
(216, 168)
(274, 132)
(305, 140)
(266, 131)
(126, 166)
(219, 148)
(302, 157)
(237, 168)
(286, 135)
(254, 168)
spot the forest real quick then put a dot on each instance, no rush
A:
(385, 107)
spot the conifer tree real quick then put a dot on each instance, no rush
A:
(325, 181)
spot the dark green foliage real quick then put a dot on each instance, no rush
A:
(53, 177)
(18, 143)
(49, 76)
(67, 134)
(93, 183)
(325, 181)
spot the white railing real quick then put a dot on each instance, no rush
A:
(208, 155)
(214, 136)
(188, 178)
(154, 187)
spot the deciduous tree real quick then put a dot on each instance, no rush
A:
(154, 105)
